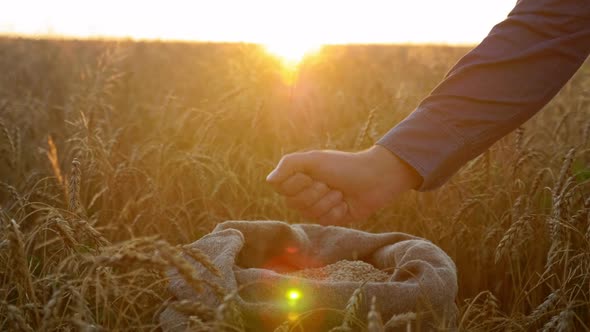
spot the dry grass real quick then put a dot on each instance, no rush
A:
(116, 155)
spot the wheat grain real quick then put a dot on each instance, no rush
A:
(351, 311)
(515, 231)
(192, 308)
(524, 157)
(14, 195)
(66, 232)
(467, 204)
(17, 320)
(20, 262)
(173, 257)
(401, 319)
(228, 316)
(519, 139)
(83, 326)
(549, 303)
(364, 132)
(74, 204)
(537, 180)
(195, 324)
(565, 322)
(490, 305)
(374, 322)
(198, 256)
(565, 168)
(52, 308)
(9, 140)
(344, 270)
(54, 161)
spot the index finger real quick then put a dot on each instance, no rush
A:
(289, 165)
(293, 185)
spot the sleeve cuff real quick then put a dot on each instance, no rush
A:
(426, 144)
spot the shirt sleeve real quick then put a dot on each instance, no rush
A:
(517, 69)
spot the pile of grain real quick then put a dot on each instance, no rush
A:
(344, 270)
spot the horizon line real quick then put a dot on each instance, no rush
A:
(97, 37)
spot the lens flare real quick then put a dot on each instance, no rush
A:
(291, 52)
(293, 294)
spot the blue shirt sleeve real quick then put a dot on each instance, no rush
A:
(517, 69)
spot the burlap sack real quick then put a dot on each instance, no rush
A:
(257, 255)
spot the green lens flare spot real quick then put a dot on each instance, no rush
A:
(293, 294)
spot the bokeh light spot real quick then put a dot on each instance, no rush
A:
(293, 294)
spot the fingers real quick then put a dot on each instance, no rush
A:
(324, 205)
(308, 197)
(294, 184)
(291, 164)
(314, 199)
(337, 215)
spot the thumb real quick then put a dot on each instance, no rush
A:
(290, 164)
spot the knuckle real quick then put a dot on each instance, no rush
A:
(318, 209)
(305, 179)
(339, 211)
(320, 186)
(306, 201)
(333, 197)
(337, 195)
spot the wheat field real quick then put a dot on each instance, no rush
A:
(115, 154)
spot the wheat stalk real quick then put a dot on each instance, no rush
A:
(518, 142)
(401, 319)
(549, 303)
(364, 133)
(74, 204)
(185, 269)
(12, 145)
(192, 308)
(54, 161)
(374, 322)
(85, 230)
(52, 307)
(514, 232)
(195, 324)
(19, 259)
(199, 256)
(66, 232)
(228, 316)
(351, 311)
(17, 320)
(14, 195)
(565, 168)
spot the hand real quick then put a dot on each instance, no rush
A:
(334, 187)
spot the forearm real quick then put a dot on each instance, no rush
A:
(511, 75)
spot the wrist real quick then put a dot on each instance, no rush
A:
(389, 166)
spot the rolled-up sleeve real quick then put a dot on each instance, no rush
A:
(517, 69)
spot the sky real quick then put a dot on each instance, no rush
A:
(309, 22)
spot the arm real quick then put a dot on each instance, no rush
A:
(511, 75)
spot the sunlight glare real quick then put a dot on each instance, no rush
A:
(291, 52)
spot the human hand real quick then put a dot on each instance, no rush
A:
(334, 187)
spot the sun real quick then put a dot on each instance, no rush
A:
(291, 52)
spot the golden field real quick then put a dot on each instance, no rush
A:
(111, 151)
